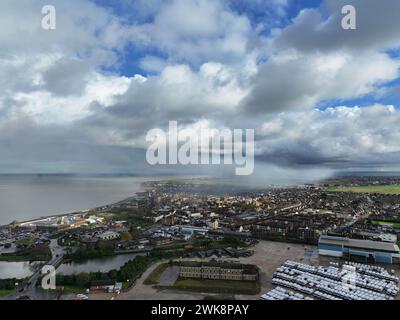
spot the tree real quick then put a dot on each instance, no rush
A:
(83, 279)
(126, 236)
(102, 244)
(113, 274)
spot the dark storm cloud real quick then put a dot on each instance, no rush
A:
(67, 77)
(378, 27)
(315, 38)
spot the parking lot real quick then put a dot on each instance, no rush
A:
(169, 276)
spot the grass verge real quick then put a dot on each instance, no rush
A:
(217, 286)
(393, 224)
(5, 292)
(386, 189)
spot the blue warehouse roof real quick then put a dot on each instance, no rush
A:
(360, 244)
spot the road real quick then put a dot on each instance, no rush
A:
(28, 287)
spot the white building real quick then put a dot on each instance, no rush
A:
(109, 235)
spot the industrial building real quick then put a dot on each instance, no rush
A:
(109, 235)
(368, 250)
(218, 271)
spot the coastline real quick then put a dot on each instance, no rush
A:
(142, 188)
(81, 211)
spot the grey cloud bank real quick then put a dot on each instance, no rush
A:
(63, 110)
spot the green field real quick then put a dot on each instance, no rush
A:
(389, 189)
(218, 286)
(16, 258)
(38, 253)
(393, 224)
(4, 292)
(27, 241)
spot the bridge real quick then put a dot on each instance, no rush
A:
(28, 287)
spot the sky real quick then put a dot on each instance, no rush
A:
(81, 98)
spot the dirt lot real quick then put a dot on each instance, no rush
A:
(267, 256)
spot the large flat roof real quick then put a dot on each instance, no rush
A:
(221, 264)
(361, 244)
(225, 265)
